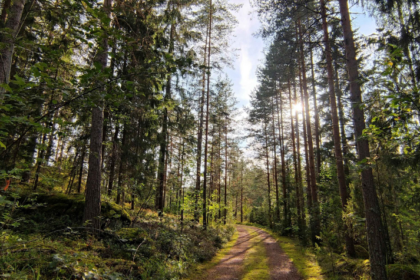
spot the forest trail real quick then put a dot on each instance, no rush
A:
(256, 255)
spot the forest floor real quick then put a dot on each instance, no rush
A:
(255, 255)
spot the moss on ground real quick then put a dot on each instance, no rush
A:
(256, 261)
(43, 239)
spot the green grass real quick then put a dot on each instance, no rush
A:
(256, 261)
(303, 259)
(200, 270)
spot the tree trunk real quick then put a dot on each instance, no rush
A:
(219, 181)
(336, 132)
(275, 164)
(226, 170)
(160, 197)
(7, 41)
(287, 217)
(207, 123)
(377, 252)
(200, 138)
(4, 10)
(82, 161)
(299, 205)
(314, 190)
(39, 160)
(317, 136)
(270, 223)
(121, 169)
(242, 192)
(113, 159)
(299, 163)
(92, 209)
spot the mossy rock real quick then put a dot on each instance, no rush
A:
(402, 272)
(361, 252)
(112, 210)
(133, 234)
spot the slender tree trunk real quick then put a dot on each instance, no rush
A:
(275, 164)
(336, 132)
(200, 137)
(314, 189)
(113, 159)
(342, 126)
(82, 161)
(299, 163)
(270, 223)
(219, 181)
(4, 10)
(122, 162)
(242, 193)
(7, 41)
(207, 123)
(104, 134)
(299, 205)
(305, 145)
(317, 136)
(92, 209)
(226, 170)
(160, 197)
(72, 173)
(287, 217)
(39, 160)
(377, 252)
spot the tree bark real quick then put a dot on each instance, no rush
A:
(200, 137)
(8, 42)
(270, 222)
(377, 252)
(336, 132)
(160, 196)
(314, 190)
(121, 169)
(207, 123)
(275, 163)
(113, 159)
(226, 170)
(317, 136)
(82, 161)
(92, 209)
(287, 217)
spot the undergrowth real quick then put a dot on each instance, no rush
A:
(41, 238)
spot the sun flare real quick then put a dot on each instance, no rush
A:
(297, 107)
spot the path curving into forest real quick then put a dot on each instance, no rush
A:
(255, 255)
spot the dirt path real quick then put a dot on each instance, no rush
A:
(231, 267)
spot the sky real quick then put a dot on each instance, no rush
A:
(251, 48)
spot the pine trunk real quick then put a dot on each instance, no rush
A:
(207, 122)
(315, 230)
(7, 41)
(92, 209)
(113, 159)
(377, 252)
(270, 223)
(336, 132)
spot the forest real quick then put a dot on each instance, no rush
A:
(125, 153)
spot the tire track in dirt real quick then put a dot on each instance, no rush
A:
(231, 266)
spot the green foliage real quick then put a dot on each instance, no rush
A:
(50, 249)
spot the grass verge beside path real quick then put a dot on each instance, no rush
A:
(303, 259)
(200, 270)
(256, 262)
